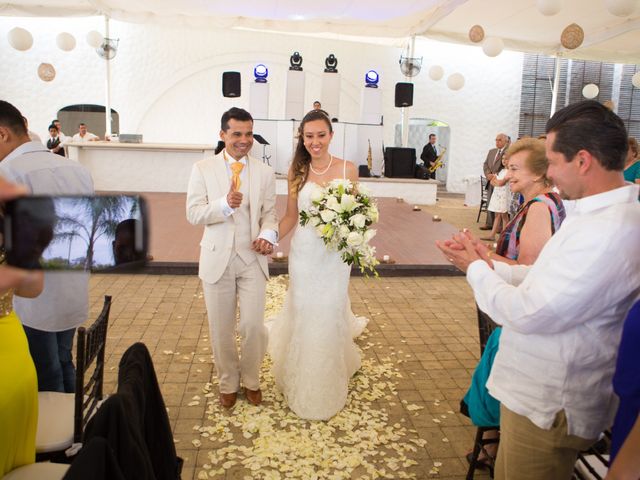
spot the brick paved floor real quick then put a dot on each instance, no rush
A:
(423, 327)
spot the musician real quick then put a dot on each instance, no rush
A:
(430, 154)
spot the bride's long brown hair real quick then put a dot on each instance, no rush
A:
(301, 157)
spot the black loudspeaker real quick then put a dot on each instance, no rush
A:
(363, 171)
(231, 84)
(399, 162)
(404, 94)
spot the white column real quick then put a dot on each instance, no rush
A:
(259, 100)
(294, 98)
(371, 106)
(330, 94)
(107, 101)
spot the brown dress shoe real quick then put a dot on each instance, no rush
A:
(228, 400)
(254, 397)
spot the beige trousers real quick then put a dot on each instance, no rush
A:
(244, 285)
(528, 452)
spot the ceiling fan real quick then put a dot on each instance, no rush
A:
(410, 67)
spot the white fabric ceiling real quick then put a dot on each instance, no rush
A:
(517, 22)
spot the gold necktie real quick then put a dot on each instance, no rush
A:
(236, 168)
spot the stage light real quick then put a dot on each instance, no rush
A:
(371, 79)
(331, 64)
(261, 72)
(295, 61)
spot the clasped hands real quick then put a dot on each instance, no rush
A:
(259, 245)
(463, 249)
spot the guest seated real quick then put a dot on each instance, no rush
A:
(521, 241)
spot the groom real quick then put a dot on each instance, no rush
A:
(233, 196)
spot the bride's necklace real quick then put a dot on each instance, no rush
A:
(325, 170)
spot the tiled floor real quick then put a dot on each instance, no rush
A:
(420, 349)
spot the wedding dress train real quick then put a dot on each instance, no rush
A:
(311, 339)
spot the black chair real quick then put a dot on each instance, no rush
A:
(63, 416)
(592, 464)
(486, 326)
(484, 197)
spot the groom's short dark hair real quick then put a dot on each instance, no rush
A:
(234, 113)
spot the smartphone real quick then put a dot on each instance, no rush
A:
(85, 233)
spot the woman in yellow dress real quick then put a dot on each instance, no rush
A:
(18, 380)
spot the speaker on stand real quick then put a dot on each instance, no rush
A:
(404, 94)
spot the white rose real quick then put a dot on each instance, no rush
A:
(358, 220)
(344, 231)
(369, 234)
(373, 213)
(332, 203)
(320, 229)
(314, 221)
(364, 190)
(354, 239)
(316, 194)
(348, 203)
(327, 215)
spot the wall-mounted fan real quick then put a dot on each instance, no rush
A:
(410, 67)
(108, 49)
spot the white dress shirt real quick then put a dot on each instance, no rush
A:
(270, 236)
(87, 137)
(563, 315)
(64, 302)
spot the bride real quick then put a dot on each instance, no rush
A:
(311, 340)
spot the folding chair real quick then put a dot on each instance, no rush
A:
(486, 326)
(484, 197)
(592, 464)
(63, 416)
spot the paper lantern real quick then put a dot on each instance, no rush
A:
(635, 80)
(621, 8)
(436, 72)
(492, 46)
(572, 36)
(455, 81)
(590, 90)
(46, 72)
(94, 39)
(476, 34)
(549, 7)
(65, 41)
(20, 39)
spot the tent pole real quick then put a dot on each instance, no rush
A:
(556, 86)
(107, 102)
(405, 110)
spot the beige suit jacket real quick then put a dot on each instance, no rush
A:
(210, 182)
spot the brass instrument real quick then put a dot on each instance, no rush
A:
(438, 163)
(369, 157)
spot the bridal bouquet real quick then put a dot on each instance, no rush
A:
(342, 216)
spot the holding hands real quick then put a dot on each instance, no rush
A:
(463, 249)
(262, 246)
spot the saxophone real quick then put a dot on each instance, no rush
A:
(438, 163)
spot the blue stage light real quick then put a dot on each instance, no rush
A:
(371, 79)
(261, 72)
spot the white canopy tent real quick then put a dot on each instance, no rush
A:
(518, 23)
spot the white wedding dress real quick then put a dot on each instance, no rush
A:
(311, 340)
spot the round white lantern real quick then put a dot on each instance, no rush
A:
(20, 39)
(621, 8)
(436, 72)
(455, 81)
(635, 80)
(590, 90)
(492, 46)
(65, 41)
(94, 39)
(549, 7)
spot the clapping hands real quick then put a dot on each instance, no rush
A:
(463, 249)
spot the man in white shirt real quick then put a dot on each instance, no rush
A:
(51, 319)
(83, 135)
(562, 316)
